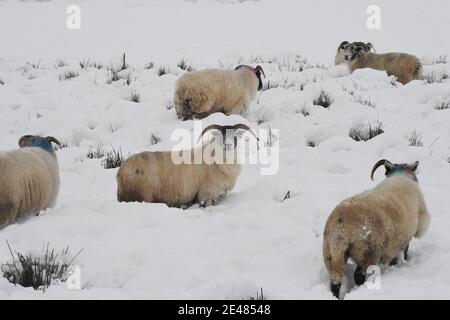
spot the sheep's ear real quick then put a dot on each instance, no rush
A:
(370, 46)
(54, 140)
(413, 167)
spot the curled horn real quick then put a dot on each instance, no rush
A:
(211, 127)
(343, 44)
(23, 139)
(260, 69)
(245, 127)
(53, 139)
(380, 163)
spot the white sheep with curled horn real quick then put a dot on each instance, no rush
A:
(405, 67)
(29, 179)
(155, 177)
(200, 93)
(375, 226)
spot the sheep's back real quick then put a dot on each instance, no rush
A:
(199, 86)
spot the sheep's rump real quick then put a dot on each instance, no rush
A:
(377, 221)
(29, 183)
(403, 64)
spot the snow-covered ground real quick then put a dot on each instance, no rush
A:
(252, 238)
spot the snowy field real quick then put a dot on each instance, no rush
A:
(252, 238)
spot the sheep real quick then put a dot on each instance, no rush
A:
(29, 179)
(339, 58)
(405, 67)
(374, 227)
(156, 177)
(200, 93)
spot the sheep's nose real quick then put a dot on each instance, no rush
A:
(347, 57)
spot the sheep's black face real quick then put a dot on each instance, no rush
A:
(356, 49)
(228, 136)
(38, 142)
(186, 112)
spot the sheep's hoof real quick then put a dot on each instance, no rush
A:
(335, 289)
(359, 276)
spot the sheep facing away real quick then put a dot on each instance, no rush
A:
(405, 67)
(155, 177)
(29, 179)
(376, 226)
(200, 93)
(340, 54)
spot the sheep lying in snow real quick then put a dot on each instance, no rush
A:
(405, 67)
(154, 177)
(200, 93)
(29, 179)
(340, 54)
(374, 227)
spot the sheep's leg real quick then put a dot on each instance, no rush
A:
(365, 257)
(8, 213)
(405, 252)
(337, 265)
(206, 203)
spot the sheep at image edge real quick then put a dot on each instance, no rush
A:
(29, 179)
(200, 93)
(376, 226)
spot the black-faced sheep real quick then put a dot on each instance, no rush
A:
(374, 227)
(340, 54)
(29, 179)
(200, 93)
(156, 177)
(405, 67)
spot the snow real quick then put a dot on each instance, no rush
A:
(252, 238)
